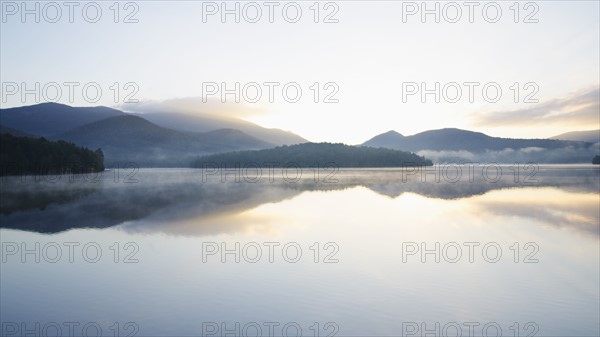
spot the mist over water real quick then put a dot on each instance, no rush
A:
(175, 269)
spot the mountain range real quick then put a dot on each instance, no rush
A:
(49, 119)
(126, 137)
(177, 138)
(456, 145)
(133, 139)
(457, 139)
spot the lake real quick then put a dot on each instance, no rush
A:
(496, 250)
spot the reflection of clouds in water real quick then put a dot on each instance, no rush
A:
(549, 206)
(177, 202)
(218, 209)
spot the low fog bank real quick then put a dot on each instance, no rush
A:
(566, 155)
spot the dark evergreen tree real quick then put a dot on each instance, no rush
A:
(316, 155)
(26, 155)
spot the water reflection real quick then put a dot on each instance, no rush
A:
(169, 214)
(179, 202)
(548, 206)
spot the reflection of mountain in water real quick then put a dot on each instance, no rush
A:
(576, 180)
(551, 207)
(178, 202)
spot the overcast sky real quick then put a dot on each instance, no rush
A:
(371, 59)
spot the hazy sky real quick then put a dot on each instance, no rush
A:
(369, 56)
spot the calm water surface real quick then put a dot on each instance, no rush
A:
(153, 253)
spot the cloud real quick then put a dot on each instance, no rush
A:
(580, 108)
(196, 106)
(439, 156)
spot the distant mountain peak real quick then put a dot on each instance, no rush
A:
(392, 133)
(51, 104)
(453, 131)
(591, 136)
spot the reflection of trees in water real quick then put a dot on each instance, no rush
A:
(163, 198)
(55, 208)
(16, 201)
